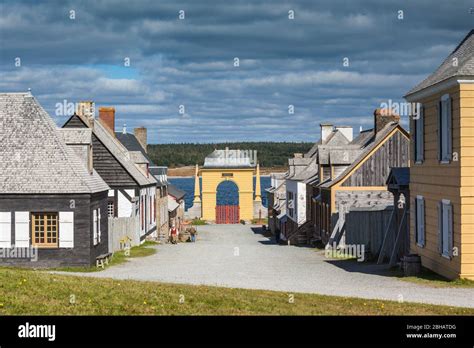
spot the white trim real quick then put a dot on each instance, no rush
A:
(22, 229)
(5, 229)
(446, 201)
(66, 229)
(438, 87)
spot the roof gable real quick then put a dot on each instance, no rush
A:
(366, 152)
(119, 152)
(463, 53)
(33, 155)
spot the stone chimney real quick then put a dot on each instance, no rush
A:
(326, 130)
(107, 118)
(347, 131)
(86, 109)
(141, 135)
(382, 117)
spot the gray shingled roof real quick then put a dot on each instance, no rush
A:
(175, 192)
(34, 159)
(229, 159)
(120, 152)
(131, 143)
(465, 65)
(371, 143)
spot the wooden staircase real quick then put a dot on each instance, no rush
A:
(302, 236)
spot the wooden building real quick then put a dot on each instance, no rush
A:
(53, 204)
(138, 142)
(305, 174)
(442, 166)
(176, 206)
(132, 196)
(363, 183)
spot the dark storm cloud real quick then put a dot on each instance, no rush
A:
(190, 62)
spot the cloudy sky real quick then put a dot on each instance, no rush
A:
(67, 51)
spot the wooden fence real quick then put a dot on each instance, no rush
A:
(121, 229)
(366, 226)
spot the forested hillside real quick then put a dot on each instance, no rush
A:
(270, 154)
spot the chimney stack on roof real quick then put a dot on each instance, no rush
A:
(347, 131)
(382, 117)
(107, 118)
(141, 135)
(326, 130)
(86, 109)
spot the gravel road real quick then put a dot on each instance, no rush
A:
(239, 256)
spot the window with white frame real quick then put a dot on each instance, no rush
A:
(445, 228)
(420, 221)
(419, 134)
(96, 226)
(444, 129)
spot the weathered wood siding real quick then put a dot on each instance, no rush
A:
(105, 163)
(375, 170)
(84, 252)
(367, 227)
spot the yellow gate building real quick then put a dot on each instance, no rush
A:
(238, 166)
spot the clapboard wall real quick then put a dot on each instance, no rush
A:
(105, 163)
(375, 170)
(84, 252)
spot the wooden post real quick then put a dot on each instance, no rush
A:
(397, 241)
(387, 231)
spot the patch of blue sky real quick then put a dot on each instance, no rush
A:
(116, 71)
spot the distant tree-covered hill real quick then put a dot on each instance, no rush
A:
(269, 154)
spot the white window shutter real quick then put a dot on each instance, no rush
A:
(5, 229)
(66, 229)
(98, 225)
(22, 229)
(94, 226)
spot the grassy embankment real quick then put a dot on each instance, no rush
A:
(27, 292)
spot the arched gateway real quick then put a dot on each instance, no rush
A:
(239, 167)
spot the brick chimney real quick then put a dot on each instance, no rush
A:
(107, 118)
(141, 135)
(382, 117)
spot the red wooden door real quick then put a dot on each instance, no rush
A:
(227, 214)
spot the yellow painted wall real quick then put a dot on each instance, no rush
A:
(454, 181)
(211, 178)
(467, 179)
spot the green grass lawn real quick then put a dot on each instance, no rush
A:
(119, 257)
(432, 279)
(30, 292)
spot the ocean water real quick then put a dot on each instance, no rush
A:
(227, 192)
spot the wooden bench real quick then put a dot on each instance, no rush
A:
(102, 260)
